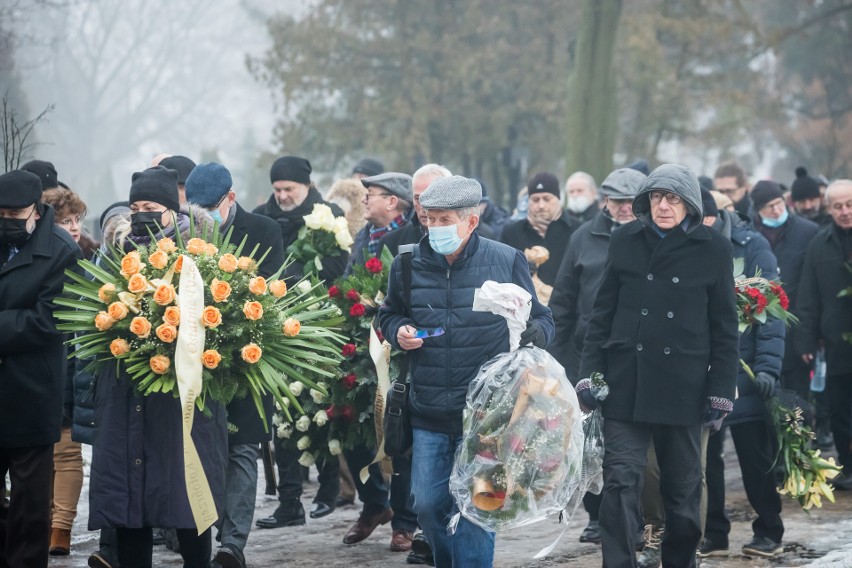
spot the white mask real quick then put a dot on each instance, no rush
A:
(579, 204)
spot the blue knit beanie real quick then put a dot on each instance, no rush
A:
(208, 184)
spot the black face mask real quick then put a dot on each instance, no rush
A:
(14, 232)
(142, 222)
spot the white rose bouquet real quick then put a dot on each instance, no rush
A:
(323, 235)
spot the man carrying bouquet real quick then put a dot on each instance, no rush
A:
(663, 332)
(446, 270)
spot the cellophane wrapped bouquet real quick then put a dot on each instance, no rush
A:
(521, 458)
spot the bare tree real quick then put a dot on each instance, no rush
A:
(17, 137)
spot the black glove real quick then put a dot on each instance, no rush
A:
(534, 334)
(587, 400)
(765, 384)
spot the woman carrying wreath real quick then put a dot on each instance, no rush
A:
(137, 474)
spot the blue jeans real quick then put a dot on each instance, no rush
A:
(241, 491)
(431, 464)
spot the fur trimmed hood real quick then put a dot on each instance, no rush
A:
(117, 228)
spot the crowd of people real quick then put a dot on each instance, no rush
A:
(631, 279)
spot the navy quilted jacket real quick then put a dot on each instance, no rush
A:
(442, 295)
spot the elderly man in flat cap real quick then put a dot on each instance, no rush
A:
(446, 269)
(34, 254)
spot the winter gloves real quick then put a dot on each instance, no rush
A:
(716, 410)
(765, 384)
(534, 334)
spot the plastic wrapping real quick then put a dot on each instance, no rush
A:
(521, 458)
(593, 452)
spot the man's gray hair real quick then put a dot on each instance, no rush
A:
(835, 183)
(431, 170)
(586, 178)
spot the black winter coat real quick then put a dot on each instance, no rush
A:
(762, 346)
(262, 232)
(291, 221)
(575, 289)
(442, 295)
(665, 313)
(824, 316)
(410, 234)
(521, 235)
(33, 368)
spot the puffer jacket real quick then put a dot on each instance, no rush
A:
(442, 295)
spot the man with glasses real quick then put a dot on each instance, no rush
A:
(663, 333)
(387, 208)
(210, 186)
(825, 318)
(730, 180)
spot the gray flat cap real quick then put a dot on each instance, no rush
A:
(623, 183)
(454, 192)
(396, 183)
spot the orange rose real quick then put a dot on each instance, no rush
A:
(119, 347)
(172, 315)
(211, 358)
(164, 294)
(257, 285)
(246, 263)
(166, 332)
(117, 311)
(220, 290)
(179, 264)
(166, 245)
(291, 327)
(140, 327)
(210, 249)
(159, 364)
(211, 317)
(103, 321)
(158, 259)
(196, 246)
(131, 264)
(278, 288)
(228, 263)
(106, 293)
(251, 353)
(137, 284)
(253, 310)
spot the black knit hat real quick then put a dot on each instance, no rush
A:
(708, 203)
(543, 182)
(19, 189)
(291, 168)
(369, 167)
(45, 172)
(157, 184)
(181, 164)
(804, 187)
(763, 192)
(117, 208)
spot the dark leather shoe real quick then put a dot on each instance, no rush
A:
(284, 517)
(227, 558)
(592, 533)
(321, 509)
(421, 552)
(401, 540)
(343, 502)
(366, 524)
(101, 559)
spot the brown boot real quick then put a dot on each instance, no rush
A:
(60, 542)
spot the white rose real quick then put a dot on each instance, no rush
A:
(304, 286)
(328, 221)
(296, 388)
(303, 423)
(276, 418)
(304, 443)
(321, 418)
(307, 459)
(286, 403)
(285, 430)
(344, 239)
(313, 221)
(317, 396)
(334, 447)
(340, 224)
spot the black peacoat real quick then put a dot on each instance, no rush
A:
(32, 354)
(664, 324)
(520, 235)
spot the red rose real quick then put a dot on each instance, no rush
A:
(333, 292)
(783, 299)
(762, 302)
(357, 310)
(374, 265)
(348, 350)
(349, 381)
(379, 335)
(353, 295)
(753, 292)
(347, 413)
(331, 412)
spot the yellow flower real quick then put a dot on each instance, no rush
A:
(117, 311)
(159, 364)
(196, 246)
(211, 359)
(211, 317)
(257, 285)
(131, 264)
(246, 263)
(103, 321)
(210, 249)
(119, 347)
(172, 315)
(251, 353)
(220, 290)
(291, 327)
(228, 263)
(140, 327)
(253, 310)
(166, 245)
(278, 288)
(158, 259)
(137, 284)
(106, 293)
(167, 333)
(164, 294)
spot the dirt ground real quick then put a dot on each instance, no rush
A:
(822, 539)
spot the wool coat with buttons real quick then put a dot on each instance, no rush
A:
(664, 324)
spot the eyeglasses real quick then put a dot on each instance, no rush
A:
(671, 198)
(369, 195)
(424, 333)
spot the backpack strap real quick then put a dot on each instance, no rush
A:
(406, 252)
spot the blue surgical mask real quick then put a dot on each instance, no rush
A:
(445, 240)
(216, 215)
(775, 223)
